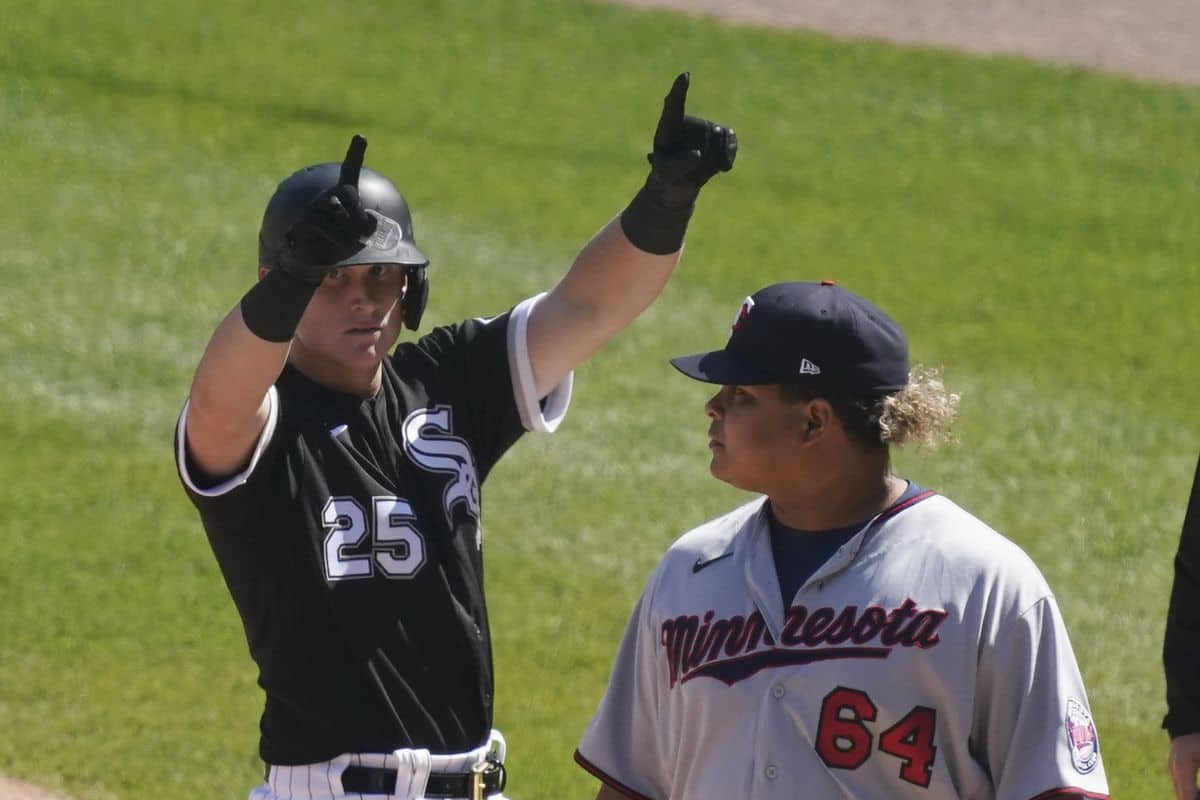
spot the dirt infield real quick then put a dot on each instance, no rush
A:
(1154, 39)
(17, 790)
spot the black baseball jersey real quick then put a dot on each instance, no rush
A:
(352, 547)
(1181, 646)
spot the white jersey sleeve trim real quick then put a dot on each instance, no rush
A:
(233, 481)
(536, 416)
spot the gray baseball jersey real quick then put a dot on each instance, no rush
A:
(925, 659)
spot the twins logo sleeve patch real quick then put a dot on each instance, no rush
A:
(1082, 738)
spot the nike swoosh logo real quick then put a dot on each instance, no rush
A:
(701, 563)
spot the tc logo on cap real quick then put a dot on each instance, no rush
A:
(743, 312)
(821, 334)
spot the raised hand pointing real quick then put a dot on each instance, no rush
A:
(332, 227)
(687, 152)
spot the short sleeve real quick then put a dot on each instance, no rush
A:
(197, 488)
(1034, 731)
(538, 414)
(480, 368)
(622, 745)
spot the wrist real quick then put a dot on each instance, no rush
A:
(273, 307)
(656, 220)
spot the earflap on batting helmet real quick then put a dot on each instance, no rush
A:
(392, 242)
(416, 296)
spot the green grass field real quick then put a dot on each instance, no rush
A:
(1035, 229)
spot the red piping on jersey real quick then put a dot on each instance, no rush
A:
(608, 780)
(1070, 793)
(896, 509)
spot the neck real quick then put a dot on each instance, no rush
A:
(361, 383)
(837, 498)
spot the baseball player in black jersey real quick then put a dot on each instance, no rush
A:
(339, 483)
(1181, 655)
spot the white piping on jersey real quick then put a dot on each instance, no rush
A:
(237, 480)
(535, 416)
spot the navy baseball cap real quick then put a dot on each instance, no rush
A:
(816, 333)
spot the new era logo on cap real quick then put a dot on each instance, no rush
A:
(815, 332)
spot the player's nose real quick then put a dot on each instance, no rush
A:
(714, 408)
(359, 289)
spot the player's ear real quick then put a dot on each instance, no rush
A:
(815, 420)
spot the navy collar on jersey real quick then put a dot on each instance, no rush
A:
(718, 551)
(798, 553)
(912, 494)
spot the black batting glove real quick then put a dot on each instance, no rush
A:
(332, 228)
(688, 151)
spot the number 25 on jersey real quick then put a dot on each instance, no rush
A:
(396, 547)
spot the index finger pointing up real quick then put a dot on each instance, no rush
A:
(352, 165)
(670, 124)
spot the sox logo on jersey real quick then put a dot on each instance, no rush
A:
(430, 443)
(397, 543)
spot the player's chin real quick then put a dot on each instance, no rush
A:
(717, 467)
(364, 355)
(725, 472)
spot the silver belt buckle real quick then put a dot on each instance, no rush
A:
(488, 765)
(476, 783)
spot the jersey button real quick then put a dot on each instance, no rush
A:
(778, 690)
(771, 772)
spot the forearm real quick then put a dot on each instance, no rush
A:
(626, 265)
(227, 402)
(616, 280)
(607, 286)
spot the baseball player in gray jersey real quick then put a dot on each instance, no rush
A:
(847, 634)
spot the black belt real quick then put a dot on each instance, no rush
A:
(382, 780)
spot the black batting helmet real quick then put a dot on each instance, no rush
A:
(391, 244)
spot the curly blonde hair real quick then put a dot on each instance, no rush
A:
(920, 413)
